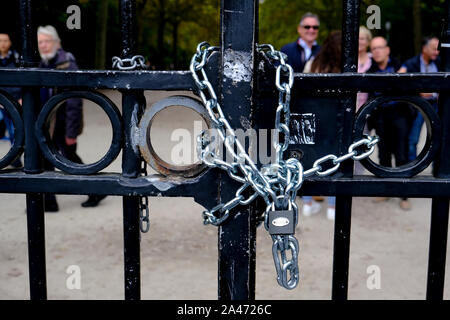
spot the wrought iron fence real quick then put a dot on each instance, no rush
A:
(239, 100)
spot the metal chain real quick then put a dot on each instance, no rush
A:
(282, 116)
(276, 183)
(128, 63)
(136, 62)
(242, 169)
(287, 270)
(144, 215)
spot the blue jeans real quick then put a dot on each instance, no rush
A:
(414, 134)
(331, 200)
(9, 125)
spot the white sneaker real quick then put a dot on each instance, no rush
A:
(331, 213)
(311, 208)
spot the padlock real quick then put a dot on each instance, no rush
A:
(281, 222)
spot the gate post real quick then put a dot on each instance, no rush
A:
(131, 162)
(342, 226)
(237, 235)
(33, 162)
(440, 206)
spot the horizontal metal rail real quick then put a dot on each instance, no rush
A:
(182, 80)
(93, 79)
(157, 185)
(237, 239)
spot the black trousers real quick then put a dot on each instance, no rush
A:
(68, 152)
(393, 130)
(393, 125)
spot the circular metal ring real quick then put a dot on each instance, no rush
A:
(145, 143)
(12, 106)
(427, 154)
(49, 150)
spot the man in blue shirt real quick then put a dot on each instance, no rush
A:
(306, 47)
(425, 62)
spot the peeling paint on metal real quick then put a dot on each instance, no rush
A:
(160, 185)
(135, 132)
(237, 65)
(245, 123)
(261, 66)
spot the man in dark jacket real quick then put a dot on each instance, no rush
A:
(306, 47)
(425, 62)
(392, 121)
(9, 59)
(68, 122)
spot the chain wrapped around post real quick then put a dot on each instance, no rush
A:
(136, 62)
(278, 182)
(144, 214)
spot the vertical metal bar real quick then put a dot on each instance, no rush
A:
(30, 57)
(341, 252)
(442, 163)
(132, 248)
(33, 159)
(130, 165)
(130, 161)
(438, 249)
(237, 235)
(33, 164)
(440, 206)
(350, 40)
(341, 255)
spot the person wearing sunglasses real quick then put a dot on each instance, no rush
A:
(305, 48)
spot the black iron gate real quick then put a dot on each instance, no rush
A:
(240, 100)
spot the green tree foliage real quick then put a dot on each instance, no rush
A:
(169, 30)
(432, 13)
(278, 20)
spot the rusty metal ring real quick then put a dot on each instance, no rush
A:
(12, 106)
(145, 144)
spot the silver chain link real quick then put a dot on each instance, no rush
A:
(144, 214)
(128, 63)
(276, 183)
(136, 62)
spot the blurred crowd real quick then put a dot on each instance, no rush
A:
(398, 124)
(67, 124)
